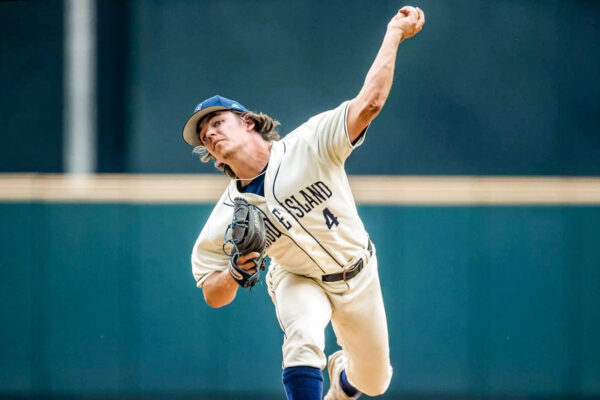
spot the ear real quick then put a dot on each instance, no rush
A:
(250, 125)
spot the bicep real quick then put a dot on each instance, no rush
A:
(359, 116)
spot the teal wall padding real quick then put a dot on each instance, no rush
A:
(98, 299)
(496, 88)
(502, 87)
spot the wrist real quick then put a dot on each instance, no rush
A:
(229, 279)
(394, 37)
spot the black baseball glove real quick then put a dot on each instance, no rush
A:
(245, 235)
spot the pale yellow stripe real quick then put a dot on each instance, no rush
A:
(466, 190)
(112, 188)
(426, 190)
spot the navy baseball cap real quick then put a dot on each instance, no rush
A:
(215, 103)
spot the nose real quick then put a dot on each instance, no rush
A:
(210, 132)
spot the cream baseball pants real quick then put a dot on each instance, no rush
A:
(304, 307)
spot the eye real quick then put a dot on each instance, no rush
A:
(218, 122)
(201, 136)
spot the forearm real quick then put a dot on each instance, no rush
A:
(219, 289)
(378, 81)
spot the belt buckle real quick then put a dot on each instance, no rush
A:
(349, 270)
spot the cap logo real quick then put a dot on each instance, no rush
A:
(235, 106)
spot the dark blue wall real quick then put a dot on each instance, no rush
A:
(503, 87)
(31, 68)
(99, 300)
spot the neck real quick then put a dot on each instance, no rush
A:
(251, 160)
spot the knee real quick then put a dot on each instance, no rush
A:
(301, 347)
(374, 381)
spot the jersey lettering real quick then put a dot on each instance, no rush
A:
(299, 212)
(277, 215)
(311, 202)
(313, 195)
(330, 219)
(326, 191)
(303, 206)
(272, 233)
(316, 193)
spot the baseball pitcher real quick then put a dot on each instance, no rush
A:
(290, 199)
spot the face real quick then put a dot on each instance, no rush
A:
(222, 133)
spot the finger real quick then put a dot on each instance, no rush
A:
(421, 16)
(247, 257)
(249, 266)
(416, 14)
(420, 20)
(419, 25)
(406, 11)
(412, 12)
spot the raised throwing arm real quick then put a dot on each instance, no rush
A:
(367, 104)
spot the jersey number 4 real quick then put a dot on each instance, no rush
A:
(330, 219)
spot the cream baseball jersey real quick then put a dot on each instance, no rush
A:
(313, 227)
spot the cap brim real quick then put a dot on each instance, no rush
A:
(189, 129)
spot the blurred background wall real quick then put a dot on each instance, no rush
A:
(502, 87)
(97, 299)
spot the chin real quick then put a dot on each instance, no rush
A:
(227, 151)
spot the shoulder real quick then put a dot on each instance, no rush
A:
(342, 108)
(319, 121)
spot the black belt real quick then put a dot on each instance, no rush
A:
(348, 273)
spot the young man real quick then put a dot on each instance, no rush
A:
(323, 264)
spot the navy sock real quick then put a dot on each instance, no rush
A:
(347, 386)
(303, 383)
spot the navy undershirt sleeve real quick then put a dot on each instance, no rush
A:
(359, 136)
